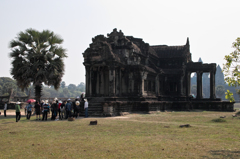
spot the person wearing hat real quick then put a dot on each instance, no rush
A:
(62, 109)
(86, 108)
(77, 108)
(59, 105)
(45, 110)
(18, 112)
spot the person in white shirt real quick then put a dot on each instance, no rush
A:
(5, 109)
(86, 108)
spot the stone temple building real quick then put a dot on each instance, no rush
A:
(125, 74)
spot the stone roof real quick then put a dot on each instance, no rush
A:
(150, 69)
(164, 51)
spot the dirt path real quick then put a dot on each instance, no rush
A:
(11, 112)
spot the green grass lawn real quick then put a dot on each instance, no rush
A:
(134, 136)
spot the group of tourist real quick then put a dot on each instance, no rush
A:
(59, 110)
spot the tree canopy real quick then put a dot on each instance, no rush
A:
(7, 84)
(37, 57)
(231, 68)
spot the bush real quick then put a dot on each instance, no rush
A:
(219, 120)
(237, 113)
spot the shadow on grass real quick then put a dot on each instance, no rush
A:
(12, 119)
(223, 154)
(9, 116)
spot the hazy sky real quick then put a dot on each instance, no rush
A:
(211, 25)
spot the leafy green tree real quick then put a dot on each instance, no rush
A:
(72, 87)
(81, 86)
(46, 94)
(37, 57)
(8, 87)
(231, 68)
(66, 92)
(63, 84)
(229, 96)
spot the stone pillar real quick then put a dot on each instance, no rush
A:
(98, 84)
(199, 85)
(120, 81)
(143, 77)
(130, 82)
(112, 78)
(188, 83)
(157, 85)
(180, 89)
(90, 82)
(212, 85)
(102, 82)
(179, 85)
(87, 80)
(160, 86)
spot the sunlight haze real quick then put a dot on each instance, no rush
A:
(212, 26)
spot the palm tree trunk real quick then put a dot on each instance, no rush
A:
(38, 92)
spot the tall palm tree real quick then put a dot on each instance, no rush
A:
(37, 58)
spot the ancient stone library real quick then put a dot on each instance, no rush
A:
(125, 74)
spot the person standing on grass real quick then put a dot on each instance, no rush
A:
(82, 103)
(41, 107)
(29, 111)
(25, 109)
(62, 110)
(86, 108)
(18, 112)
(54, 110)
(5, 109)
(77, 103)
(59, 105)
(69, 109)
(37, 110)
(45, 110)
(74, 107)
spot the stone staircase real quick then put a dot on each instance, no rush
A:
(95, 106)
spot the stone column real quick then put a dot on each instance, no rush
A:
(120, 81)
(90, 82)
(180, 89)
(87, 80)
(97, 85)
(143, 77)
(102, 82)
(160, 86)
(179, 86)
(199, 85)
(157, 85)
(130, 83)
(112, 78)
(212, 85)
(188, 83)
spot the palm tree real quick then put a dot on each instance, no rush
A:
(37, 58)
